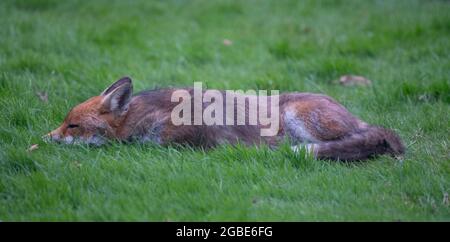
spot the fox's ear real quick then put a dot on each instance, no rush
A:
(117, 96)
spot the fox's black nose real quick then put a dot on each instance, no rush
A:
(47, 138)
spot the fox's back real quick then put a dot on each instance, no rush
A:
(152, 112)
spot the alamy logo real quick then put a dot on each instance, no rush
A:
(229, 108)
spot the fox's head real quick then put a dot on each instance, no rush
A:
(97, 119)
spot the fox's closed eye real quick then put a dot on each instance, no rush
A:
(70, 126)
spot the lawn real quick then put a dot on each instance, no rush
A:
(68, 51)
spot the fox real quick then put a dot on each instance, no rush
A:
(313, 122)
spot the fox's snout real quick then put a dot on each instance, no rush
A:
(52, 136)
(47, 137)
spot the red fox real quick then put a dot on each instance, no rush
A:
(314, 122)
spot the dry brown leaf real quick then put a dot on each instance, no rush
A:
(227, 42)
(33, 147)
(351, 80)
(306, 30)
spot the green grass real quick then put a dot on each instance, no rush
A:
(74, 49)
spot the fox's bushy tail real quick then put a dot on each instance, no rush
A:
(361, 144)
